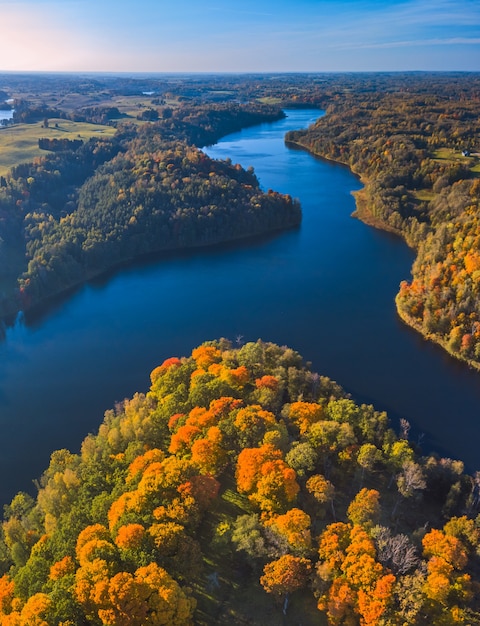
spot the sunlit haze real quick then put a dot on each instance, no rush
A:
(252, 35)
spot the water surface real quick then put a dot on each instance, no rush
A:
(326, 289)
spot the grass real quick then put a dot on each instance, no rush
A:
(270, 100)
(446, 154)
(454, 156)
(19, 143)
(424, 195)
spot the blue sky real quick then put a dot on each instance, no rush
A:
(227, 36)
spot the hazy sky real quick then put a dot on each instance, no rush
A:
(251, 35)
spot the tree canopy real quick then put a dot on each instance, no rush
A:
(170, 505)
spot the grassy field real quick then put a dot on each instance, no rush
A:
(454, 156)
(424, 195)
(19, 143)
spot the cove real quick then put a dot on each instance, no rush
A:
(325, 289)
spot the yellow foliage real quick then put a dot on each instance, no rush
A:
(35, 610)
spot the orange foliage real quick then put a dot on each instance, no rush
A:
(182, 510)
(139, 465)
(96, 549)
(89, 533)
(373, 604)
(360, 584)
(128, 501)
(149, 597)
(249, 465)
(472, 262)
(161, 369)
(320, 488)
(333, 544)
(206, 355)
(267, 382)
(238, 377)
(62, 568)
(182, 440)
(130, 536)
(276, 487)
(35, 610)
(223, 406)
(204, 489)
(7, 588)
(285, 575)
(215, 369)
(172, 422)
(449, 548)
(339, 604)
(209, 456)
(304, 414)
(201, 417)
(254, 418)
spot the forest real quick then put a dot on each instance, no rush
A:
(417, 152)
(84, 208)
(412, 138)
(243, 488)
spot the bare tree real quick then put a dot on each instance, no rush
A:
(396, 551)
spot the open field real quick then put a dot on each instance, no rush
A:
(424, 194)
(454, 156)
(19, 143)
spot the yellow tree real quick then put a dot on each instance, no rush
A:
(365, 508)
(294, 525)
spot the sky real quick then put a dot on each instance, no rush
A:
(246, 36)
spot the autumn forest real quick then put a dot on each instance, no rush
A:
(242, 487)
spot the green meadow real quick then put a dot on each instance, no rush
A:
(19, 143)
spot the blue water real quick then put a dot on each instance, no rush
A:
(326, 289)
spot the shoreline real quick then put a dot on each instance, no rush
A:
(11, 311)
(363, 214)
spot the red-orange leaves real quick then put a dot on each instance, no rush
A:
(269, 482)
(182, 440)
(267, 382)
(249, 465)
(161, 369)
(204, 489)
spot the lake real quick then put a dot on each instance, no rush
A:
(325, 289)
